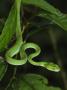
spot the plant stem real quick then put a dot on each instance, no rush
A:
(57, 56)
(13, 77)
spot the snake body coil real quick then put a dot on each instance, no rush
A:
(14, 50)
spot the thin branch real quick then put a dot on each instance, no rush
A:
(57, 56)
(12, 78)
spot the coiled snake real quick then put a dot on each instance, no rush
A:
(20, 47)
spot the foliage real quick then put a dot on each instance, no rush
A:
(31, 82)
(3, 68)
(47, 11)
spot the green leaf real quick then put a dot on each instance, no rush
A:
(3, 69)
(8, 30)
(32, 82)
(54, 14)
(43, 5)
(60, 21)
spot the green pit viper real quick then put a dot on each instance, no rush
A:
(20, 46)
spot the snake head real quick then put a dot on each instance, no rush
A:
(51, 66)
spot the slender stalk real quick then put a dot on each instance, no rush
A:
(12, 78)
(57, 56)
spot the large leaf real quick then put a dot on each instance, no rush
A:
(61, 21)
(32, 82)
(9, 29)
(43, 5)
(54, 14)
(3, 68)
